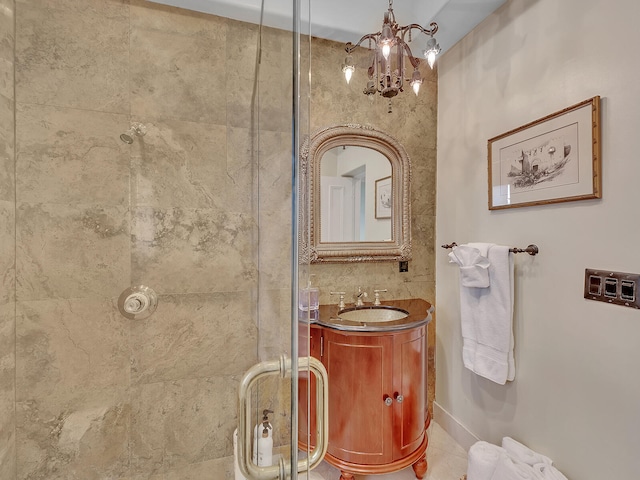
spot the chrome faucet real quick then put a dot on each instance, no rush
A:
(359, 296)
(377, 295)
(341, 301)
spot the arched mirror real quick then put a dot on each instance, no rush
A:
(355, 180)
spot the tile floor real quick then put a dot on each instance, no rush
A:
(447, 461)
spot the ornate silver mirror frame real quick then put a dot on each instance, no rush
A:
(311, 248)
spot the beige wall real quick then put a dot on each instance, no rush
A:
(575, 397)
(7, 242)
(98, 396)
(412, 123)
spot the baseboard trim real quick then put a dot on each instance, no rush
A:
(453, 427)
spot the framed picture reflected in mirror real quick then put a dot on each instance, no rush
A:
(384, 198)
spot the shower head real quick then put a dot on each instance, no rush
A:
(126, 138)
(136, 130)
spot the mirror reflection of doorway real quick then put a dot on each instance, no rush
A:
(347, 203)
(337, 212)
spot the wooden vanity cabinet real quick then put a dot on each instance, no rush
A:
(377, 399)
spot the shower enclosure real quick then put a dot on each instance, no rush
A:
(200, 208)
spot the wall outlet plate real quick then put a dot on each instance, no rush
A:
(612, 287)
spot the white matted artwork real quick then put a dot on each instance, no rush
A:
(553, 159)
(384, 198)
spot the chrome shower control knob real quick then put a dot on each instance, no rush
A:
(138, 302)
(388, 401)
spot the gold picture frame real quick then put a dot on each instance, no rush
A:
(551, 160)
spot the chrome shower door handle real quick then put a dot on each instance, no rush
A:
(251, 377)
(283, 368)
(322, 411)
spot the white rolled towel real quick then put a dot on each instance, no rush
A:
(510, 469)
(522, 453)
(482, 460)
(549, 472)
(474, 268)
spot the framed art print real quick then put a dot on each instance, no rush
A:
(551, 160)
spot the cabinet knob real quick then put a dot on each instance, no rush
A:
(388, 401)
(399, 398)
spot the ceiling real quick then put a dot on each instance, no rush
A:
(348, 20)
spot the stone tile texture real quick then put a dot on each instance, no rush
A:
(73, 55)
(7, 243)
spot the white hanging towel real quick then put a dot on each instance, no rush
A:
(487, 318)
(474, 267)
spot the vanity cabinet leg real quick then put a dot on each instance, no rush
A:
(346, 475)
(420, 467)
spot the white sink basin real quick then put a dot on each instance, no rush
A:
(374, 314)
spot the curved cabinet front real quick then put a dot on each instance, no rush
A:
(360, 421)
(377, 399)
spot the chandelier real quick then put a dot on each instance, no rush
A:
(387, 72)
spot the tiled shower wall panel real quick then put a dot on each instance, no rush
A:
(97, 395)
(7, 242)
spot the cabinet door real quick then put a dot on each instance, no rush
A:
(409, 381)
(360, 371)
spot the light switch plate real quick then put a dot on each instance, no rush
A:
(612, 287)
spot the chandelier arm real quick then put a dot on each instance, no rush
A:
(427, 31)
(401, 64)
(372, 70)
(415, 62)
(350, 47)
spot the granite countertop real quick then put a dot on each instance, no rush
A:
(419, 313)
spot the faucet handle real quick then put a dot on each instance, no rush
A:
(341, 302)
(377, 295)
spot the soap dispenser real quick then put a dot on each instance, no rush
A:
(309, 297)
(265, 448)
(263, 441)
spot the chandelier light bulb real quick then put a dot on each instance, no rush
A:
(348, 68)
(416, 81)
(386, 50)
(348, 72)
(386, 38)
(432, 50)
(431, 58)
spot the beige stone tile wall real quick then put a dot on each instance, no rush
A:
(413, 123)
(182, 209)
(7, 242)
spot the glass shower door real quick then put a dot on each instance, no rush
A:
(280, 104)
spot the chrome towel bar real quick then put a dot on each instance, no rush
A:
(531, 249)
